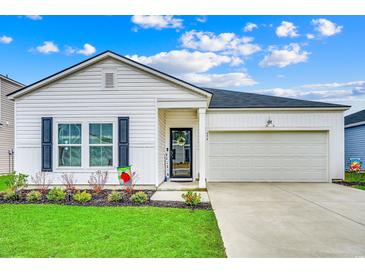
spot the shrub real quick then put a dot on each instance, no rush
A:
(56, 194)
(114, 197)
(11, 195)
(41, 181)
(191, 198)
(82, 197)
(139, 197)
(17, 181)
(98, 180)
(34, 196)
(69, 182)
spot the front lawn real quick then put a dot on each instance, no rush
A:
(3, 181)
(107, 232)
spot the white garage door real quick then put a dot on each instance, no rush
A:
(268, 156)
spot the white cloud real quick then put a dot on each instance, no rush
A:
(289, 55)
(182, 61)
(335, 85)
(157, 21)
(325, 27)
(47, 47)
(87, 50)
(34, 17)
(193, 67)
(5, 39)
(201, 19)
(225, 80)
(321, 92)
(228, 42)
(287, 29)
(310, 36)
(250, 27)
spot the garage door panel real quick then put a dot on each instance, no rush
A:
(268, 156)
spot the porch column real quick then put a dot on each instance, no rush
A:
(202, 141)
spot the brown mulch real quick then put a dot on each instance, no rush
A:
(344, 183)
(100, 199)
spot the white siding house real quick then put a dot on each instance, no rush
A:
(173, 132)
(7, 86)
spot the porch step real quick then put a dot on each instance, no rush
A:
(179, 186)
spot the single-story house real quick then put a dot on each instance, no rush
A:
(111, 111)
(7, 85)
(355, 138)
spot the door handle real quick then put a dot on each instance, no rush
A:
(173, 154)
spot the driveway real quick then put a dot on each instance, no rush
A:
(290, 219)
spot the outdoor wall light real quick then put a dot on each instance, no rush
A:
(269, 123)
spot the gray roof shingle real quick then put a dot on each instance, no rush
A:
(356, 117)
(236, 99)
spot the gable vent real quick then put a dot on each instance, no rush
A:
(109, 80)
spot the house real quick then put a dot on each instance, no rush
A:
(110, 110)
(7, 86)
(355, 138)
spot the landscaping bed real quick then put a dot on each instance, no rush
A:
(353, 179)
(101, 199)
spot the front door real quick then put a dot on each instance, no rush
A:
(181, 147)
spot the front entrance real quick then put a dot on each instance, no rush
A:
(181, 146)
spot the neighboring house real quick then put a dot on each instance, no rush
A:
(7, 86)
(110, 110)
(355, 138)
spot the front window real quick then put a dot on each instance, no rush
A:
(101, 145)
(69, 145)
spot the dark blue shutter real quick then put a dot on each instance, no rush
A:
(47, 125)
(123, 141)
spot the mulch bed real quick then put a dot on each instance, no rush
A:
(100, 199)
(344, 183)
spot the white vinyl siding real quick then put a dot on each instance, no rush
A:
(7, 119)
(82, 96)
(268, 156)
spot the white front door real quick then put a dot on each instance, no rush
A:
(268, 156)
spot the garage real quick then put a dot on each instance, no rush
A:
(268, 156)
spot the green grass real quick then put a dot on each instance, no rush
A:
(359, 187)
(3, 180)
(352, 177)
(74, 231)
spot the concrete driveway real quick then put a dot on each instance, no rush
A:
(290, 219)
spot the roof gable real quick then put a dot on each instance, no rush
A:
(356, 118)
(2, 77)
(108, 54)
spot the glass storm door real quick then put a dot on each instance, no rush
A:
(181, 146)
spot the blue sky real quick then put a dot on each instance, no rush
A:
(305, 57)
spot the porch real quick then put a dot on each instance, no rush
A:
(181, 142)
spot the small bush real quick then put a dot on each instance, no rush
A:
(56, 194)
(98, 180)
(114, 197)
(139, 197)
(11, 195)
(34, 196)
(69, 182)
(17, 181)
(42, 182)
(82, 197)
(191, 198)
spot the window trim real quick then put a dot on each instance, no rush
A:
(85, 121)
(101, 145)
(58, 145)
